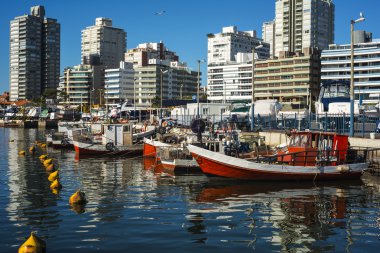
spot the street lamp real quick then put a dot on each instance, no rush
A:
(225, 91)
(162, 80)
(253, 87)
(134, 97)
(81, 103)
(181, 90)
(352, 94)
(198, 84)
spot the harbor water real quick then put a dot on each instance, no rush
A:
(134, 207)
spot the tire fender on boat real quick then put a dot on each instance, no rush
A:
(110, 146)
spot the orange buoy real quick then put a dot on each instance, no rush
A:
(21, 153)
(33, 244)
(78, 198)
(53, 176)
(32, 149)
(55, 185)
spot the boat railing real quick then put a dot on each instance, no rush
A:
(323, 157)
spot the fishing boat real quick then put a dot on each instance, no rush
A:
(116, 139)
(176, 159)
(309, 156)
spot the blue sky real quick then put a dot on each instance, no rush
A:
(182, 28)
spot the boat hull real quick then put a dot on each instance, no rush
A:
(218, 164)
(84, 149)
(180, 166)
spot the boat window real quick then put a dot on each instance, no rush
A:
(304, 141)
(294, 141)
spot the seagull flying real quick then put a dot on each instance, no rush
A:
(159, 13)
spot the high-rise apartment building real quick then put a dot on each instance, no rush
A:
(177, 82)
(34, 54)
(336, 65)
(303, 23)
(79, 84)
(149, 61)
(269, 35)
(103, 44)
(292, 78)
(223, 47)
(119, 84)
(229, 69)
(230, 82)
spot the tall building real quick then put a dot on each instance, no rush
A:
(149, 61)
(119, 84)
(292, 78)
(230, 82)
(177, 82)
(34, 54)
(229, 69)
(223, 47)
(336, 65)
(79, 84)
(144, 52)
(304, 23)
(103, 44)
(268, 35)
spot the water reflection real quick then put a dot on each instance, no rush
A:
(302, 217)
(30, 201)
(133, 204)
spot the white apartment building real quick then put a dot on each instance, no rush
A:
(336, 65)
(223, 47)
(268, 35)
(119, 84)
(303, 23)
(103, 44)
(230, 82)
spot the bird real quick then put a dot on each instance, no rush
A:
(159, 13)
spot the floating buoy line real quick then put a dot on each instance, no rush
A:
(77, 200)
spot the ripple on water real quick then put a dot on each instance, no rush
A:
(133, 208)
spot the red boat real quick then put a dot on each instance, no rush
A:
(309, 156)
(150, 147)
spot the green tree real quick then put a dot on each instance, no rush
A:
(50, 93)
(156, 102)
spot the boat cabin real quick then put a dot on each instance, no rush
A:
(118, 134)
(311, 148)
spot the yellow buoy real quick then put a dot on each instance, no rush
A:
(32, 149)
(43, 157)
(55, 191)
(33, 244)
(55, 185)
(50, 168)
(53, 176)
(43, 145)
(47, 162)
(22, 152)
(78, 198)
